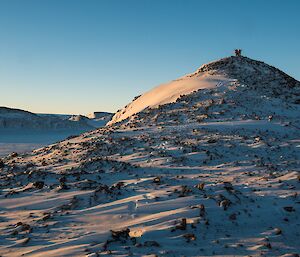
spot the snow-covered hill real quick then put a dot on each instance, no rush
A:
(211, 169)
(11, 118)
(21, 131)
(252, 73)
(19, 119)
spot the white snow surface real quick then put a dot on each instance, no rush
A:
(208, 76)
(215, 173)
(168, 93)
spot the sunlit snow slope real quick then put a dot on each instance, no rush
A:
(168, 93)
(208, 76)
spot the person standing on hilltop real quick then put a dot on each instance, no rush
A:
(238, 52)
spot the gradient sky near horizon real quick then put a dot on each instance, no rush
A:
(61, 56)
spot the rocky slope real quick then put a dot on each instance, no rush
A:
(211, 172)
(256, 75)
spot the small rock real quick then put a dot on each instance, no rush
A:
(202, 210)
(189, 237)
(211, 141)
(200, 186)
(156, 180)
(13, 155)
(62, 186)
(182, 225)
(120, 234)
(277, 231)
(289, 208)
(38, 184)
(232, 216)
(62, 179)
(25, 227)
(267, 245)
(151, 243)
(225, 204)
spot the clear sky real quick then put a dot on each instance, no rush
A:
(63, 56)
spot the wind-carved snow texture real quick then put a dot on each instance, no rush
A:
(214, 173)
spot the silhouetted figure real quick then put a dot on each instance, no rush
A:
(238, 52)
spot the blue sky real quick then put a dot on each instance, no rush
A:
(63, 56)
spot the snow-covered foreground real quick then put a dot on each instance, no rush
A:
(215, 173)
(205, 194)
